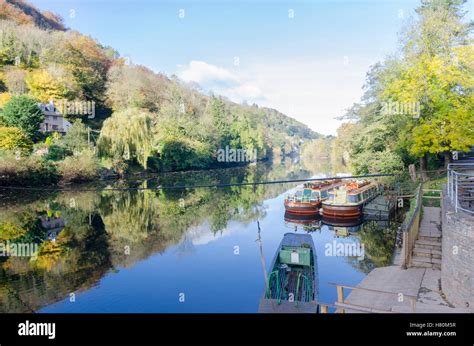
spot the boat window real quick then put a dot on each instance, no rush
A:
(353, 198)
(315, 195)
(298, 195)
(307, 194)
(324, 194)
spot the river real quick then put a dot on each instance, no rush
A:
(192, 250)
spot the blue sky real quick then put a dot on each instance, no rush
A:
(307, 59)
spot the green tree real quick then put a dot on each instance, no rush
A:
(420, 102)
(23, 112)
(216, 110)
(437, 71)
(127, 134)
(75, 139)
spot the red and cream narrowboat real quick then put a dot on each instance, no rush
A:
(348, 201)
(307, 200)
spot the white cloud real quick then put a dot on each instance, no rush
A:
(311, 91)
(202, 72)
(234, 85)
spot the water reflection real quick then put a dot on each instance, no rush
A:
(83, 235)
(343, 227)
(138, 248)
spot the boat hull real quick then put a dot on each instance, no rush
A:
(302, 208)
(303, 219)
(342, 211)
(342, 222)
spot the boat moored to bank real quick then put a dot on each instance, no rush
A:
(291, 286)
(307, 200)
(347, 201)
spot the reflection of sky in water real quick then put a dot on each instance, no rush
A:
(204, 267)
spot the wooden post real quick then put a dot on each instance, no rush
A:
(412, 171)
(324, 309)
(405, 250)
(413, 302)
(340, 296)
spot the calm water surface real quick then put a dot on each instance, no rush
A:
(194, 250)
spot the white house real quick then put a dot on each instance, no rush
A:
(53, 119)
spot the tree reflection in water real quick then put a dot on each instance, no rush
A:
(105, 230)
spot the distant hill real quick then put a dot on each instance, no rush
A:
(22, 12)
(283, 122)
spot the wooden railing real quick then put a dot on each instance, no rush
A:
(410, 230)
(342, 305)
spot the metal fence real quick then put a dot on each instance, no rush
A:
(461, 186)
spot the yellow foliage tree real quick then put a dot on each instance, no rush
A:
(44, 87)
(13, 138)
(4, 98)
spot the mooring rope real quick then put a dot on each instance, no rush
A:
(172, 187)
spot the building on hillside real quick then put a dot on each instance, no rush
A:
(53, 121)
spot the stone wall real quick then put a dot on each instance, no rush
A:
(457, 266)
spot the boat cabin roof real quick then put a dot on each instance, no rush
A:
(363, 188)
(323, 184)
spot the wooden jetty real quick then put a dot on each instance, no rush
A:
(380, 208)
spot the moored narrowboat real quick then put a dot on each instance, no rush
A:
(348, 201)
(307, 200)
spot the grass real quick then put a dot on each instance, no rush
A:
(434, 184)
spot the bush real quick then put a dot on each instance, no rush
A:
(57, 152)
(180, 154)
(23, 112)
(12, 138)
(76, 137)
(31, 170)
(82, 167)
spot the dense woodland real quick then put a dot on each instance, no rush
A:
(143, 120)
(418, 105)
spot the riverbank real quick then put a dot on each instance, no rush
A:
(431, 282)
(39, 172)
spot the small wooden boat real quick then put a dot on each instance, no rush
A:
(348, 200)
(307, 200)
(291, 286)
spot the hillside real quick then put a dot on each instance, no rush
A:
(21, 12)
(180, 126)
